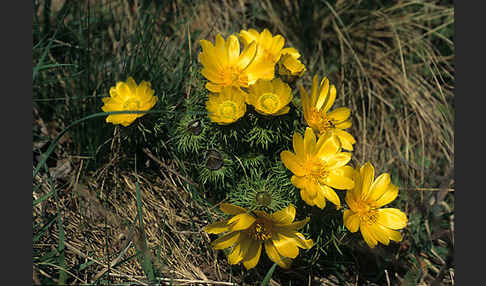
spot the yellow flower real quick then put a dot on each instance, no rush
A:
(268, 52)
(270, 97)
(318, 167)
(128, 96)
(316, 106)
(223, 65)
(269, 47)
(226, 107)
(289, 64)
(247, 233)
(365, 199)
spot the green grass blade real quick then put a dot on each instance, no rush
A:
(146, 262)
(41, 60)
(42, 230)
(60, 247)
(268, 276)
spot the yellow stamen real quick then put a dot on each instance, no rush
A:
(232, 77)
(367, 213)
(228, 109)
(317, 171)
(260, 230)
(269, 102)
(319, 121)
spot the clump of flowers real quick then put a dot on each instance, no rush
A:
(318, 167)
(252, 70)
(247, 233)
(128, 96)
(319, 160)
(365, 214)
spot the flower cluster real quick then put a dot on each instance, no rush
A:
(237, 76)
(319, 159)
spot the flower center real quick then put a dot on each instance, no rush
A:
(131, 105)
(269, 102)
(318, 120)
(367, 213)
(317, 171)
(232, 77)
(260, 230)
(228, 109)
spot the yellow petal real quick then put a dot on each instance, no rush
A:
(132, 85)
(241, 221)
(379, 186)
(338, 160)
(213, 87)
(273, 254)
(291, 161)
(235, 256)
(226, 240)
(286, 246)
(252, 255)
(380, 234)
(347, 140)
(248, 36)
(308, 200)
(231, 209)
(313, 188)
(220, 50)
(339, 114)
(367, 174)
(302, 242)
(284, 216)
(320, 200)
(327, 145)
(388, 196)
(299, 182)
(244, 244)
(314, 91)
(331, 196)
(298, 144)
(282, 111)
(392, 218)
(330, 99)
(217, 227)
(323, 93)
(309, 141)
(368, 235)
(291, 51)
(247, 56)
(293, 226)
(339, 182)
(351, 199)
(123, 90)
(213, 75)
(233, 49)
(305, 99)
(351, 220)
(392, 234)
(344, 124)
